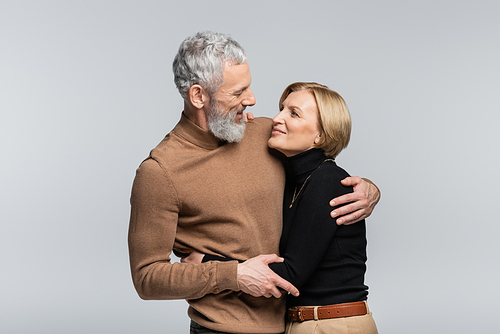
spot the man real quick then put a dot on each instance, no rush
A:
(213, 185)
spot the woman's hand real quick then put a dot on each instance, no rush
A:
(194, 257)
(248, 116)
(362, 201)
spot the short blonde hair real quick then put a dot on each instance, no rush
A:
(334, 117)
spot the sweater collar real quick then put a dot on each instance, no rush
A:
(302, 164)
(196, 135)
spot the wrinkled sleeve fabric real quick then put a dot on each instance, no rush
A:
(155, 208)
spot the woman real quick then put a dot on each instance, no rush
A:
(326, 262)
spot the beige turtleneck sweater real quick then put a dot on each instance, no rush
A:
(218, 198)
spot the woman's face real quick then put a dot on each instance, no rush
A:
(296, 128)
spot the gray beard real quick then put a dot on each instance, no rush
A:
(224, 125)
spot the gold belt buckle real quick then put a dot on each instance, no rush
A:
(300, 313)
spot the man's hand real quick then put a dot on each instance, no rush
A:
(257, 279)
(362, 201)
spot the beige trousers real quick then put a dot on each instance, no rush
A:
(361, 324)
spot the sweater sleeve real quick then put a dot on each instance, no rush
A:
(153, 224)
(313, 228)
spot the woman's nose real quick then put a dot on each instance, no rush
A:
(278, 118)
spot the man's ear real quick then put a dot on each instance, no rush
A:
(197, 96)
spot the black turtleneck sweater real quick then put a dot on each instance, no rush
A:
(326, 262)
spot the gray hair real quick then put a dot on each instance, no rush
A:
(201, 59)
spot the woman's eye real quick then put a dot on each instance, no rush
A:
(294, 113)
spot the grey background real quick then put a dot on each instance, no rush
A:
(86, 91)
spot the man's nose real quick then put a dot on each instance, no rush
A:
(249, 99)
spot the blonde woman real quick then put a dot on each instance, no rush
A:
(326, 262)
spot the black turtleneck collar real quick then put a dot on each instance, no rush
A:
(302, 164)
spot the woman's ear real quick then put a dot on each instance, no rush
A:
(197, 96)
(316, 140)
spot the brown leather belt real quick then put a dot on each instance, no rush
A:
(327, 312)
